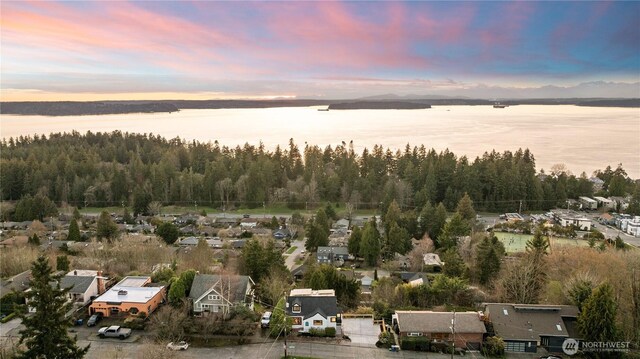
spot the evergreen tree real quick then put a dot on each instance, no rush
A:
(370, 243)
(126, 216)
(330, 212)
(141, 201)
(106, 227)
(398, 241)
(74, 231)
(539, 244)
(579, 290)
(465, 208)
(488, 260)
(45, 333)
(76, 214)
(597, 321)
(454, 265)
(62, 263)
(354, 241)
(280, 322)
(168, 232)
(177, 293)
(34, 240)
(634, 205)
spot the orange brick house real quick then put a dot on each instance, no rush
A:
(131, 295)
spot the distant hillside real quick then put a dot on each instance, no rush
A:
(379, 105)
(83, 108)
(121, 107)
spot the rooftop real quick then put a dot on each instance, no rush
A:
(308, 292)
(133, 281)
(120, 294)
(529, 322)
(439, 322)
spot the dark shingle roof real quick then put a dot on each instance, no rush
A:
(202, 283)
(528, 321)
(327, 306)
(439, 322)
(78, 284)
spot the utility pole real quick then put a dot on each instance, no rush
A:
(453, 333)
(520, 208)
(285, 324)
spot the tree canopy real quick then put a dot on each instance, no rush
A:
(45, 333)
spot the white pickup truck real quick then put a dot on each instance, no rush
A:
(114, 331)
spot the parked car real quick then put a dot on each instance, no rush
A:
(178, 345)
(94, 319)
(114, 331)
(266, 319)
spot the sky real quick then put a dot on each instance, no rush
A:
(122, 50)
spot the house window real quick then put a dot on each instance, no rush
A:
(133, 310)
(296, 320)
(216, 309)
(213, 297)
(306, 324)
(332, 319)
(318, 322)
(296, 308)
(514, 347)
(414, 334)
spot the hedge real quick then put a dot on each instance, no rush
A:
(330, 332)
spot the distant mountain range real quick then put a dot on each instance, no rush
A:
(388, 101)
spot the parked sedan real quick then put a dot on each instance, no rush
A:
(178, 345)
(94, 319)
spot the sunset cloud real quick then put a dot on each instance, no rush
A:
(213, 47)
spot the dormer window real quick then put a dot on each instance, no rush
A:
(296, 308)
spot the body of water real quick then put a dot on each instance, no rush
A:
(582, 138)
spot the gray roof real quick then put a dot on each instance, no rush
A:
(77, 283)
(202, 283)
(334, 250)
(19, 282)
(439, 322)
(529, 321)
(327, 306)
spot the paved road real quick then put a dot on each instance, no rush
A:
(290, 259)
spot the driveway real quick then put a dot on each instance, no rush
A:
(290, 259)
(10, 328)
(361, 331)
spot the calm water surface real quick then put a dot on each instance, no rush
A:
(583, 138)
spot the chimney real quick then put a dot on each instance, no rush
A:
(101, 288)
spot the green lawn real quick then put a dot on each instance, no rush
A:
(290, 250)
(517, 243)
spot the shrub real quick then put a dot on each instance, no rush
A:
(330, 332)
(8, 317)
(493, 346)
(318, 332)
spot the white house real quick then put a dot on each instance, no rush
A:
(85, 285)
(569, 218)
(588, 203)
(605, 202)
(219, 293)
(312, 309)
(248, 223)
(633, 226)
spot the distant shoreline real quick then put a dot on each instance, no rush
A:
(69, 108)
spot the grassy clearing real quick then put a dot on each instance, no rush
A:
(290, 250)
(517, 243)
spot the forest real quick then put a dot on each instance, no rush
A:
(114, 169)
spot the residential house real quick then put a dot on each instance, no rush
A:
(19, 283)
(214, 242)
(432, 261)
(570, 218)
(312, 309)
(436, 327)
(299, 272)
(588, 203)
(605, 203)
(332, 255)
(632, 226)
(248, 223)
(219, 293)
(414, 278)
(620, 203)
(83, 285)
(524, 327)
(281, 233)
(225, 222)
(607, 219)
(341, 224)
(132, 295)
